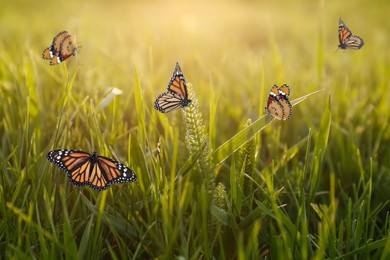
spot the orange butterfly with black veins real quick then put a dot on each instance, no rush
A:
(62, 48)
(278, 104)
(84, 169)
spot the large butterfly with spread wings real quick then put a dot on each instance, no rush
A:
(84, 169)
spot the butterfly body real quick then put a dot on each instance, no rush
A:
(84, 169)
(347, 40)
(278, 104)
(177, 94)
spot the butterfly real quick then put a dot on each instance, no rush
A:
(177, 94)
(61, 49)
(278, 104)
(84, 169)
(347, 39)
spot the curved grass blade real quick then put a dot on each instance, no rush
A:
(230, 146)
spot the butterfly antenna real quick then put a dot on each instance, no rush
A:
(78, 48)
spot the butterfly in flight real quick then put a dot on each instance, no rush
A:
(278, 104)
(347, 39)
(177, 94)
(62, 48)
(84, 169)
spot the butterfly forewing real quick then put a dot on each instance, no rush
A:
(344, 32)
(274, 91)
(58, 40)
(64, 158)
(284, 90)
(116, 172)
(177, 83)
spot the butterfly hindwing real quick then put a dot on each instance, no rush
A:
(84, 169)
(46, 54)
(275, 109)
(354, 43)
(168, 102)
(55, 60)
(287, 108)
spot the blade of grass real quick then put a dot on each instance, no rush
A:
(230, 146)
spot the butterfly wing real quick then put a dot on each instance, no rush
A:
(344, 34)
(76, 164)
(54, 49)
(177, 83)
(169, 101)
(354, 42)
(56, 45)
(55, 60)
(67, 49)
(284, 91)
(114, 172)
(275, 109)
(274, 93)
(287, 108)
(46, 54)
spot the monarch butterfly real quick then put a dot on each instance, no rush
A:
(177, 94)
(84, 169)
(278, 104)
(347, 39)
(61, 49)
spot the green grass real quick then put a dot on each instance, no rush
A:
(228, 181)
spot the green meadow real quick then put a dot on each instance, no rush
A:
(219, 179)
